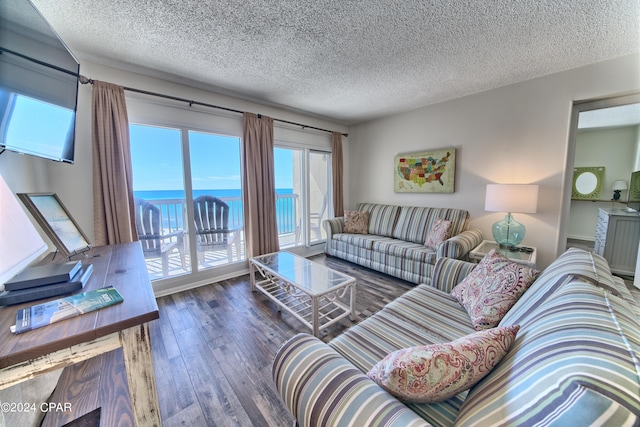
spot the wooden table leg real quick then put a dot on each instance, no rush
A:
(136, 347)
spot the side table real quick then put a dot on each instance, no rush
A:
(518, 256)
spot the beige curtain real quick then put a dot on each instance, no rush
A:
(336, 172)
(259, 196)
(113, 212)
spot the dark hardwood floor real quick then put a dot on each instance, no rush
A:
(212, 352)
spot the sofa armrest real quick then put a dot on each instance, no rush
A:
(332, 226)
(448, 272)
(321, 388)
(459, 246)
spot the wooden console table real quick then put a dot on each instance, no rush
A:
(80, 338)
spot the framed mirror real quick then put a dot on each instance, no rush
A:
(56, 222)
(587, 183)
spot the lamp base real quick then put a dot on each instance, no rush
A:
(508, 232)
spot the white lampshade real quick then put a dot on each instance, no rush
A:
(20, 243)
(519, 198)
(619, 185)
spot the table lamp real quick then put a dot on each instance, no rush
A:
(618, 186)
(510, 198)
(20, 242)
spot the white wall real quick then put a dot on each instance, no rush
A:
(513, 134)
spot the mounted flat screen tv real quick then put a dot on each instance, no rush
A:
(38, 85)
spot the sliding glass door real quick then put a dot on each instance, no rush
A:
(159, 189)
(217, 198)
(319, 194)
(188, 197)
(303, 187)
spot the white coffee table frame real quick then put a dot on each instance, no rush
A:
(310, 291)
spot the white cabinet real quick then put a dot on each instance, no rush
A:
(617, 237)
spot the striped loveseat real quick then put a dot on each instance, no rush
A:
(575, 360)
(395, 242)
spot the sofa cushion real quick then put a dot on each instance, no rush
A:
(440, 231)
(573, 363)
(382, 218)
(368, 342)
(414, 222)
(492, 288)
(405, 250)
(433, 373)
(579, 262)
(322, 388)
(422, 316)
(356, 222)
(573, 262)
(432, 310)
(365, 241)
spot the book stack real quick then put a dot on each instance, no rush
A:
(45, 281)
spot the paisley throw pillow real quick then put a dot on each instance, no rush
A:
(440, 231)
(436, 372)
(356, 222)
(492, 288)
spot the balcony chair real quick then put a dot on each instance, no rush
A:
(155, 244)
(211, 217)
(316, 218)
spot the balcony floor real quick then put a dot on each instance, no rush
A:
(211, 259)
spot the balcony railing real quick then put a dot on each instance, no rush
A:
(287, 215)
(174, 212)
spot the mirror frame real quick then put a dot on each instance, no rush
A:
(596, 193)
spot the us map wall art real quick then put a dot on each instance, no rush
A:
(425, 172)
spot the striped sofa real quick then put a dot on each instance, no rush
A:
(575, 361)
(395, 243)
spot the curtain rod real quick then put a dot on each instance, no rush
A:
(85, 80)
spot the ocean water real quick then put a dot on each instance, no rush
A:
(285, 206)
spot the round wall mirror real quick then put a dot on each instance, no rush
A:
(587, 183)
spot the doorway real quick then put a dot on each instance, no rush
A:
(604, 136)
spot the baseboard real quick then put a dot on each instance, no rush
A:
(166, 288)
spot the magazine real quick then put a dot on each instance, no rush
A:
(46, 313)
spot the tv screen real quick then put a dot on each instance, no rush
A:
(38, 85)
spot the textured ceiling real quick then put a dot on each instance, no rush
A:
(350, 61)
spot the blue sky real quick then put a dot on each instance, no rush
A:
(51, 133)
(157, 160)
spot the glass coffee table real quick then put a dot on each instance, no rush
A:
(316, 295)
